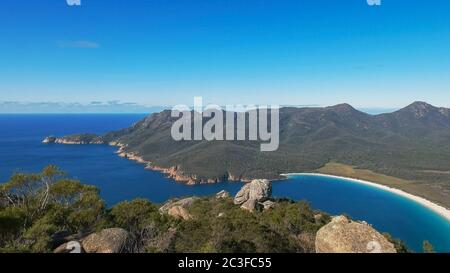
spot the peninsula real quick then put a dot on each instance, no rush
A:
(408, 149)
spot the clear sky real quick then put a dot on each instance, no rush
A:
(165, 52)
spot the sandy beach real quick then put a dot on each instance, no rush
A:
(422, 201)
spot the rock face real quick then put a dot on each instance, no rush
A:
(252, 205)
(253, 194)
(113, 240)
(342, 235)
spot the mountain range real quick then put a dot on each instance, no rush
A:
(412, 144)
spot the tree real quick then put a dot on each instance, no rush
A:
(141, 218)
(78, 206)
(400, 246)
(30, 192)
(428, 247)
(134, 215)
(35, 206)
(11, 220)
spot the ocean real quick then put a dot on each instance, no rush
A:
(120, 179)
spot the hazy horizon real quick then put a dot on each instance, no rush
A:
(130, 108)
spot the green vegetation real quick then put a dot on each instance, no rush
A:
(409, 147)
(399, 245)
(221, 226)
(34, 207)
(39, 212)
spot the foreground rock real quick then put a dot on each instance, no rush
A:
(253, 194)
(69, 247)
(113, 240)
(177, 208)
(268, 204)
(342, 235)
(222, 194)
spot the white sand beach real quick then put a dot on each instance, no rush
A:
(424, 202)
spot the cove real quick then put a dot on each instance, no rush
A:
(120, 179)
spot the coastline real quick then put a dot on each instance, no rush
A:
(172, 172)
(442, 211)
(175, 174)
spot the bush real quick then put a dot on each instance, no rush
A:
(43, 203)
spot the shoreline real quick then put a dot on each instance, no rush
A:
(173, 173)
(442, 211)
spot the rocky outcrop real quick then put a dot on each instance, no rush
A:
(69, 247)
(178, 208)
(252, 205)
(50, 139)
(180, 213)
(268, 204)
(258, 189)
(133, 157)
(177, 174)
(342, 235)
(186, 202)
(222, 194)
(252, 194)
(113, 240)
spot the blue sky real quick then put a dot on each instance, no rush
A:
(165, 52)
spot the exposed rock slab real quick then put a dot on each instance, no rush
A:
(252, 205)
(112, 240)
(180, 213)
(178, 208)
(186, 202)
(69, 247)
(268, 204)
(342, 235)
(222, 195)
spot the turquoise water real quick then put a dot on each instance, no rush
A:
(386, 211)
(120, 179)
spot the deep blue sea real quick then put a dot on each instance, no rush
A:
(120, 179)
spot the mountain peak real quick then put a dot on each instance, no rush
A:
(419, 109)
(342, 108)
(420, 105)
